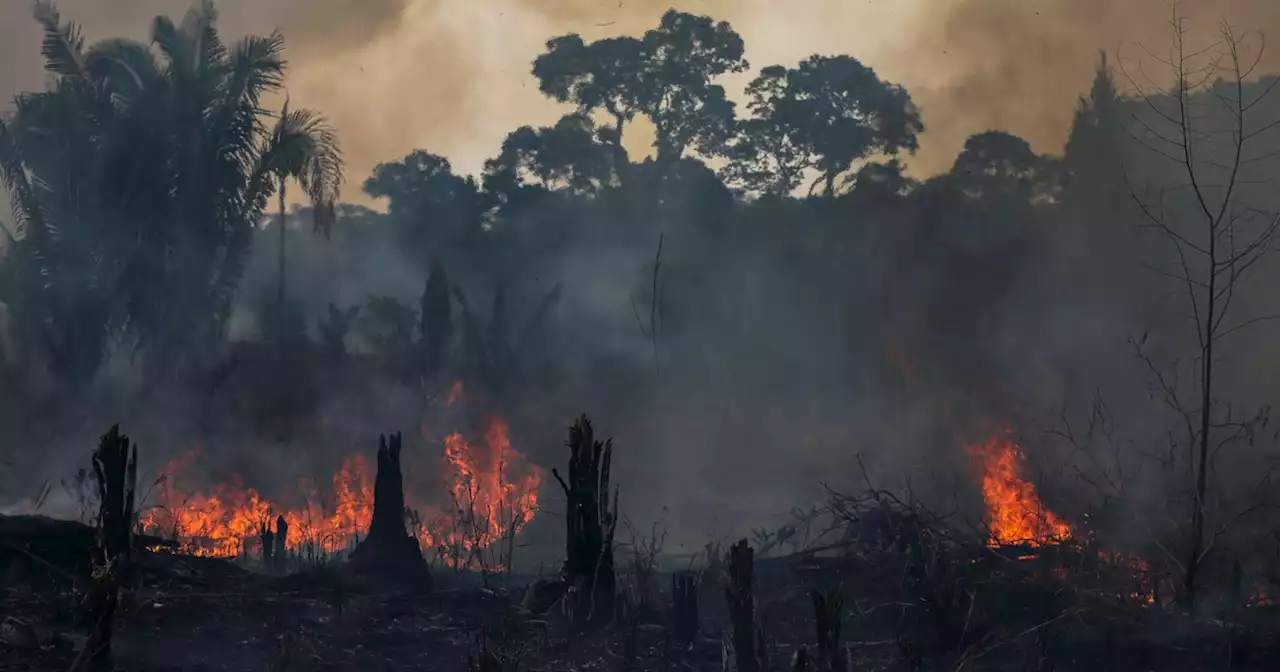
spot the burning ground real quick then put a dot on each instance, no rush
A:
(486, 493)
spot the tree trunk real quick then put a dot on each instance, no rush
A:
(590, 523)
(389, 551)
(268, 546)
(115, 469)
(684, 617)
(282, 543)
(280, 293)
(747, 640)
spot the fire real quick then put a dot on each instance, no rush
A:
(1015, 513)
(227, 521)
(489, 493)
(494, 492)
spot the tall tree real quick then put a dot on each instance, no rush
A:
(573, 155)
(666, 76)
(1218, 223)
(433, 210)
(316, 163)
(996, 164)
(824, 115)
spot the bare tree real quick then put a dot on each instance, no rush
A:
(1205, 126)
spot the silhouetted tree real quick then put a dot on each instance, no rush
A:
(997, 164)
(1218, 227)
(666, 76)
(433, 210)
(573, 155)
(823, 115)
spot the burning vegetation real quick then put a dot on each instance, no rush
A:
(1015, 514)
(486, 494)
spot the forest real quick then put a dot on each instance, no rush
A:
(767, 300)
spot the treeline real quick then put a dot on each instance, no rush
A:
(146, 174)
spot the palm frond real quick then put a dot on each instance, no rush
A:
(208, 53)
(123, 68)
(28, 211)
(172, 43)
(63, 44)
(303, 146)
(255, 66)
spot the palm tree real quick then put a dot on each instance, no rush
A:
(138, 179)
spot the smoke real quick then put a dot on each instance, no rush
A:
(453, 77)
(1018, 66)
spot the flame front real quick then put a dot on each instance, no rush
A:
(228, 521)
(1015, 513)
(491, 493)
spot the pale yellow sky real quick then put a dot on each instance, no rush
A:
(452, 76)
(383, 111)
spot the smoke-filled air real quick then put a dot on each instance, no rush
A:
(575, 335)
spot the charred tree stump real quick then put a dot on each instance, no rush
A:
(590, 523)
(388, 550)
(282, 542)
(268, 545)
(684, 609)
(747, 640)
(826, 612)
(115, 470)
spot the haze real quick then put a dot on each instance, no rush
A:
(453, 76)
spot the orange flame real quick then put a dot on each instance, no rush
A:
(228, 521)
(493, 490)
(1015, 513)
(493, 493)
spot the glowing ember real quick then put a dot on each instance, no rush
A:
(490, 493)
(1014, 511)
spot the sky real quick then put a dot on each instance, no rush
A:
(453, 76)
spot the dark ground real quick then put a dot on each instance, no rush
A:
(196, 614)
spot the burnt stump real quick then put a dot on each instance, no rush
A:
(389, 553)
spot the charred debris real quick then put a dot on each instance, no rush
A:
(879, 584)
